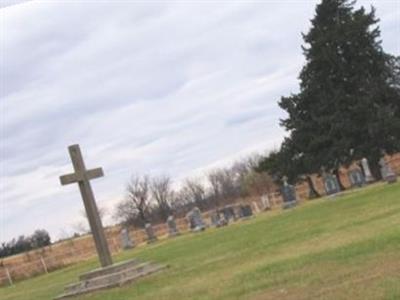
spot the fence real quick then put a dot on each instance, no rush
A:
(71, 251)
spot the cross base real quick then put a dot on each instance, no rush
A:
(108, 277)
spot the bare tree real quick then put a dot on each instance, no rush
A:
(256, 183)
(182, 202)
(224, 185)
(243, 173)
(193, 191)
(162, 193)
(213, 178)
(135, 208)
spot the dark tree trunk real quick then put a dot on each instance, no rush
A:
(312, 192)
(142, 216)
(337, 174)
(375, 169)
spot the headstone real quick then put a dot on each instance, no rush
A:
(246, 211)
(266, 204)
(195, 220)
(126, 240)
(214, 218)
(331, 184)
(217, 220)
(151, 237)
(172, 228)
(356, 178)
(367, 172)
(386, 171)
(228, 213)
(289, 194)
(256, 208)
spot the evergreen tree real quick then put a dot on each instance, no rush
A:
(348, 106)
(288, 161)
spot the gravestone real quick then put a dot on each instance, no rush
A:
(245, 211)
(151, 237)
(214, 218)
(108, 275)
(195, 219)
(172, 228)
(289, 194)
(126, 241)
(386, 171)
(356, 178)
(367, 172)
(228, 212)
(331, 184)
(266, 204)
(217, 221)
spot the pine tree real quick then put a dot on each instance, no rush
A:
(348, 106)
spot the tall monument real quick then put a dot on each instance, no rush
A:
(82, 177)
(109, 275)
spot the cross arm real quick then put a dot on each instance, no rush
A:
(76, 177)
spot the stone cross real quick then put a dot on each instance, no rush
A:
(82, 177)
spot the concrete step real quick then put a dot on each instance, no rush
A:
(110, 269)
(110, 280)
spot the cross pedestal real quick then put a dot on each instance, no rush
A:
(109, 275)
(82, 177)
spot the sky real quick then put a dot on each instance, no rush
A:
(145, 87)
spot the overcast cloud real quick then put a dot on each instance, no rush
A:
(143, 87)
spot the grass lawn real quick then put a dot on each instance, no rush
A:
(346, 247)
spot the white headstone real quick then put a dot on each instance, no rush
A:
(265, 202)
(126, 240)
(368, 175)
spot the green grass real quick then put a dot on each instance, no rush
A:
(347, 247)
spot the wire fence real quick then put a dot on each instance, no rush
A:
(71, 251)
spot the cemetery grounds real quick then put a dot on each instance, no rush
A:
(343, 247)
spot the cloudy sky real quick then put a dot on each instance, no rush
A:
(144, 87)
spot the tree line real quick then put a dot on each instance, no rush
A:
(38, 239)
(154, 199)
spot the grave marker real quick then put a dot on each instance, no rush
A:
(356, 178)
(367, 172)
(289, 194)
(172, 228)
(245, 211)
(331, 183)
(151, 237)
(126, 240)
(109, 275)
(266, 204)
(386, 171)
(82, 177)
(195, 219)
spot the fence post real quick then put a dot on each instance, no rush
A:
(8, 276)
(44, 264)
